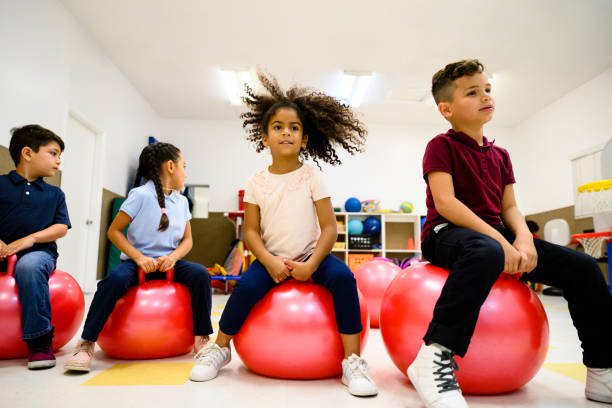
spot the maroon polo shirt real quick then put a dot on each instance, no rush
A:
(480, 175)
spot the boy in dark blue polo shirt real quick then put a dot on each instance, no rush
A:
(475, 229)
(33, 215)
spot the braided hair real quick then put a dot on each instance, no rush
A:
(327, 121)
(150, 162)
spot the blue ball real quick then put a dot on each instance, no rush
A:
(371, 225)
(355, 227)
(352, 205)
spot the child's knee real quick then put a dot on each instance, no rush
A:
(116, 280)
(340, 278)
(202, 276)
(485, 251)
(29, 270)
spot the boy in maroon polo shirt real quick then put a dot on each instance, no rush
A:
(475, 229)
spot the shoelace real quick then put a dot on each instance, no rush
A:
(445, 372)
(358, 368)
(86, 347)
(210, 355)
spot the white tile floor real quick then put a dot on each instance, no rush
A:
(236, 386)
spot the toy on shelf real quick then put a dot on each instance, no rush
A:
(352, 205)
(370, 206)
(355, 226)
(406, 207)
(371, 225)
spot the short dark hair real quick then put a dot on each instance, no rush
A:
(32, 136)
(442, 83)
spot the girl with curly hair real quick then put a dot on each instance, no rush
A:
(158, 236)
(290, 224)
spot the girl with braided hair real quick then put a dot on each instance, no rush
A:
(290, 224)
(158, 236)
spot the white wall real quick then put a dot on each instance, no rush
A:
(542, 146)
(218, 154)
(48, 65)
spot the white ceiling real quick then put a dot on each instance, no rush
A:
(171, 50)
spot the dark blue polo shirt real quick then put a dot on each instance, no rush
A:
(28, 207)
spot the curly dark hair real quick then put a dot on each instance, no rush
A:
(149, 165)
(327, 121)
(442, 83)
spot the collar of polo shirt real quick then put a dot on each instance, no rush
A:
(16, 178)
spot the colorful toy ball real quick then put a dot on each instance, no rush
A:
(352, 205)
(355, 226)
(370, 205)
(406, 207)
(371, 225)
(511, 319)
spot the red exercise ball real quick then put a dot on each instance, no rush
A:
(292, 333)
(67, 308)
(509, 344)
(152, 320)
(373, 278)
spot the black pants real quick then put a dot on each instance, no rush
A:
(475, 261)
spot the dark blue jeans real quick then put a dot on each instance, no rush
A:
(475, 261)
(333, 274)
(32, 277)
(116, 284)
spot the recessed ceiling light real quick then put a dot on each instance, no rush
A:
(234, 81)
(354, 86)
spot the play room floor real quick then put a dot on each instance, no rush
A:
(165, 383)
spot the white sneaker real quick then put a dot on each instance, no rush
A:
(210, 360)
(356, 377)
(199, 342)
(599, 384)
(432, 374)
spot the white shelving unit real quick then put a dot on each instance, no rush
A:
(396, 230)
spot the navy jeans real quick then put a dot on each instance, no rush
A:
(475, 261)
(32, 277)
(256, 282)
(116, 284)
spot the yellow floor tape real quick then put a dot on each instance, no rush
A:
(143, 374)
(148, 373)
(575, 371)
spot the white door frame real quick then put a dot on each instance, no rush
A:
(95, 205)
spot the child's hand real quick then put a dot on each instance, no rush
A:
(277, 269)
(165, 262)
(3, 247)
(147, 264)
(16, 246)
(528, 253)
(512, 259)
(299, 270)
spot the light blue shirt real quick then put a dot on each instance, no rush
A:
(143, 208)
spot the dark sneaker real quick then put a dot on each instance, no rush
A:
(40, 352)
